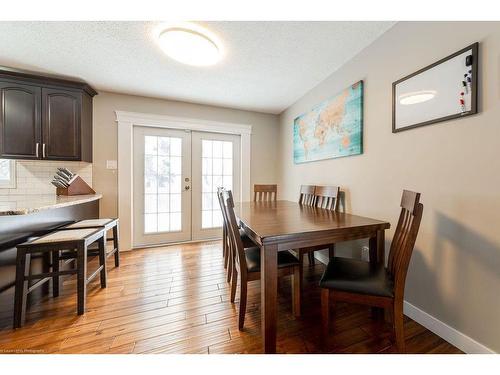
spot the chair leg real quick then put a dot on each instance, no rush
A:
(230, 262)
(325, 314)
(81, 276)
(234, 284)
(230, 267)
(296, 289)
(301, 265)
(243, 304)
(331, 251)
(398, 326)
(55, 270)
(116, 245)
(46, 264)
(224, 245)
(102, 261)
(23, 262)
(312, 262)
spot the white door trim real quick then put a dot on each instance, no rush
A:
(126, 122)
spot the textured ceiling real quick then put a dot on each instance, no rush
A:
(267, 65)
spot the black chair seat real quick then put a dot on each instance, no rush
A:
(351, 275)
(252, 255)
(247, 242)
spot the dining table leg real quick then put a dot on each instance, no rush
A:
(269, 291)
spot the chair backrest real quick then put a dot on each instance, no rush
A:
(221, 191)
(404, 239)
(306, 197)
(220, 197)
(265, 193)
(236, 246)
(327, 197)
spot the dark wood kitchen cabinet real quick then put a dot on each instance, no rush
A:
(20, 121)
(44, 117)
(61, 124)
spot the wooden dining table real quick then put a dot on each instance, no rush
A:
(284, 225)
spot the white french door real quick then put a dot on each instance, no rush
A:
(162, 193)
(176, 175)
(216, 162)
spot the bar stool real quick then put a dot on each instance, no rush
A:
(77, 241)
(106, 224)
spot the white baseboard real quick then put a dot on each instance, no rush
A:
(450, 334)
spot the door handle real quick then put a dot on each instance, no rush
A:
(37, 146)
(43, 150)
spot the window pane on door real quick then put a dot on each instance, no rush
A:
(162, 184)
(216, 170)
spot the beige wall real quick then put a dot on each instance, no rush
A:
(455, 269)
(264, 136)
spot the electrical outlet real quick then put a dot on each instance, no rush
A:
(365, 253)
(111, 164)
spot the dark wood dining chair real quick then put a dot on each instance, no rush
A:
(247, 242)
(265, 193)
(323, 197)
(247, 265)
(306, 196)
(356, 281)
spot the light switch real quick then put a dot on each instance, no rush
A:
(111, 164)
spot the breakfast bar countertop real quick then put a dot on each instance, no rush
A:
(28, 204)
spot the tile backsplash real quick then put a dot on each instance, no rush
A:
(33, 177)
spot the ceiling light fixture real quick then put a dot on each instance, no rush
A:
(417, 97)
(189, 44)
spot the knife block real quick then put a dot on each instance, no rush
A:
(77, 187)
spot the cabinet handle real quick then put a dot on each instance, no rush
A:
(43, 150)
(36, 148)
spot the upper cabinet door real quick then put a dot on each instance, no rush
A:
(61, 124)
(20, 128)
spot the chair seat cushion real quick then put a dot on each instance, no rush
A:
(90, 223)
(63, 236)
(252, 254)
(351, 275)
(247, 242)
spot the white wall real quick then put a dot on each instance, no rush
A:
(454, 274)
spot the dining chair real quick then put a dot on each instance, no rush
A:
(323, 197)
(247, 242)
(306, 197)
(265, 193)
(356, 281)
(247, 265)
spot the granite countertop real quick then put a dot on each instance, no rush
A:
(28, 204)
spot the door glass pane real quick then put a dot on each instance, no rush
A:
(162, 184)
(175, 221)
(217, 161)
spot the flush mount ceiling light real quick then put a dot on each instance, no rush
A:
(417, 97)
(189, 44)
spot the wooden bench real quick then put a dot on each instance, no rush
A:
(106, 224)
(76, 243)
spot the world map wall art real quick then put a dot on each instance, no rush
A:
(332, 129)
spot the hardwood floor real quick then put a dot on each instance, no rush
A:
(176, 300)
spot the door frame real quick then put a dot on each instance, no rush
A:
(126, 122)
